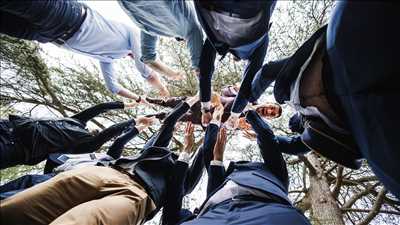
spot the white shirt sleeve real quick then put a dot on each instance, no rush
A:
(184, 157)
(216, 163)
(108, 72)
(144, 70)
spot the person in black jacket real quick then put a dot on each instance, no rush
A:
(58, 162)
(241, 29)
(129, 190)
(28, 141)
(250, 193)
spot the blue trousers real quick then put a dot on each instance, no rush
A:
(15, 186)
(363, 47)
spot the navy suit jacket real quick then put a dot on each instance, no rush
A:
(269, 176)
(184, 179)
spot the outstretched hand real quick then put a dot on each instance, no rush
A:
(206, 118)
(232, 123)
(219, 147)
(145, 121)
(189, 138)
(249, 135)
(218, 112)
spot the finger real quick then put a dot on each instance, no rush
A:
(191, 128)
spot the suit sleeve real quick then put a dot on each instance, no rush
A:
(265, 76)
(202, 158)
(94, 111)
(269, 146)
(207, 60)
(117, 147)
(255, 62)
(175, 194)
(216, 176)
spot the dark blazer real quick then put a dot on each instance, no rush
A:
(317, 135)
(269, 177)
(155, 166)
(39, 137)
(255, 54)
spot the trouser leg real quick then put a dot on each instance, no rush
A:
(116, 209)
(44, 202)
(15, 186)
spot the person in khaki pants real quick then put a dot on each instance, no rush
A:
(129, 190)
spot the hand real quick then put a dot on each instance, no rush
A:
(129, 105)
(146, 121)
(250, 135)
(243, 124)
(219, 147)
(164, 92)
(189, 138)
(218, 112)
(177, 75)
(233, 122)
(206, 118)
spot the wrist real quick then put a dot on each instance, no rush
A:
(184, 157)
(216, 162)
(205, 107)
(235, 115)
(218, 158)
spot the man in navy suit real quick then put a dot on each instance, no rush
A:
(354, 58)
(247, 192)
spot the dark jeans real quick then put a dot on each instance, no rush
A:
(363, 47)
(43, 20)
(13, 187)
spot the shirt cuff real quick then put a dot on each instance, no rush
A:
(216, 163)
(184, 157)
(233, 114)
(216, 122)
(206, 105)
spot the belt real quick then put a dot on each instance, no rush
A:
(72, 30)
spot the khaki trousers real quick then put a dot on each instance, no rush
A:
(90, 195)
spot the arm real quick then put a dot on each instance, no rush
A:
(93, 111)
(216, 171)
(207, 68)
(195, 45)
(111, 83)
(117, 147)
(202, 158)
(175, 193)
(176, 189)
(170, 102)
(95, 142)
(265, 76)
(255, 62)
(269, 147)
(164, 135)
